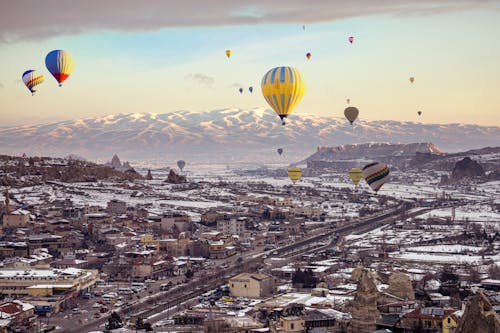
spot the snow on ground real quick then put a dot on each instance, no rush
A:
(454, 248)
(483, 213)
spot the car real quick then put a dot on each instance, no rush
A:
(150, 281)
(97, 315)
(162, 323)
(86, 295)
(75, 310)
(96, 305)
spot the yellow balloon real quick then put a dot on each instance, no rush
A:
(351, 113)
(356, 174)
(294, 173)
(283, 88)
(228, 53)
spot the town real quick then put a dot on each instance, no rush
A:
(109, 248)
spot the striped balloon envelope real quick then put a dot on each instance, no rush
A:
(376, 174)
(32, 79)
(294, 173)
(60, 64)
(283, 88)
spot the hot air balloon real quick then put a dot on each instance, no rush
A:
(32, 79)
(228, 53)
(280, 151)
(283, 88)
(294, 173)
(308, 55)
(351, 113)
(419, 113)
(60, 64)
(376, 174)
(356, 174)
(181, 164)
(412, 79)
(348, 101)
(250, 89)
(351, 39)
(241, 90)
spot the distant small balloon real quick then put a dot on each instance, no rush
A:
(412, 79)
(308, 55)
(228, 53)
(280, 151)
(351, 39)
(241, 90)
(348, 101)
(304, 27)
(250, 89)
(181, 164)
(419, 113)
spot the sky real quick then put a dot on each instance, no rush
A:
(163, 56)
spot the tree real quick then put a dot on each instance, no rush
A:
(114, 322)
(494, 272)
(474, 275)
(189, 274)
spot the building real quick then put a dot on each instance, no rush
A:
(231, 226)
(16, 219)
(450, 321)
(45, 282)
(14, 314)
(292, 324)
(116, 207)
(429, 319)
(251, 285)
(175, 222)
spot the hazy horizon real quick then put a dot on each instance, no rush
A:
(133, 58)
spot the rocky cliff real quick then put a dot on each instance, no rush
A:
(174, 178)
(17, 171)
(479, 316)
(466, 169)
(400, 286)
(363, 308)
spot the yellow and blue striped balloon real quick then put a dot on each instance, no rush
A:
(283, 88)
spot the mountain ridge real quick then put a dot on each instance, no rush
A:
(226, 135)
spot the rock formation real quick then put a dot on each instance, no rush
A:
(479, 316)
(174, 178)
(115, 162)
(400, 286)
(466, 169)
(364, 306)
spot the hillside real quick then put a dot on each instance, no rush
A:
(228, 135)
(20, 171)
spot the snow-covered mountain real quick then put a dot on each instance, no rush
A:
(225, 136)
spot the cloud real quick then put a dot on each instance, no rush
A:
(28, 19)
(201, 79)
